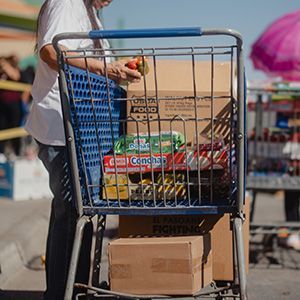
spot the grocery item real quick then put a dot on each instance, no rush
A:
(189, 160)
(168, 189)
(144, 189)
(112, 190)
(136, 188)
(214, 186)
(205, 142)
(149, 143)
(140, 64)
(131, 187)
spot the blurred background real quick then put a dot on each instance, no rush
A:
(273, 126)
(17, 20)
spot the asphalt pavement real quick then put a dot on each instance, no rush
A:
(274, 274)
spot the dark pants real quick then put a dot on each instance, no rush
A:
(10, 117)
(291, 205)
(62, 226)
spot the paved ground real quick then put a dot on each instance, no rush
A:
(273, 275)
(23, 229)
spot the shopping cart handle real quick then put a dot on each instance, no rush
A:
(145, 33)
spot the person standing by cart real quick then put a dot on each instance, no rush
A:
(292, 209)
(45, 124)
(10, 103)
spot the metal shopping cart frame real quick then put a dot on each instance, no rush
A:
(86, 211)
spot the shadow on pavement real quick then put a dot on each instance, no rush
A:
(21, 295)
(269, 254)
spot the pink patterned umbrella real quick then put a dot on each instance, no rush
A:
(277, 50)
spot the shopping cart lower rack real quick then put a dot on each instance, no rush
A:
(147, 149)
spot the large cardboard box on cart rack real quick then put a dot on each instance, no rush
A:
(170, 96)
(219, 227)
(164, 266)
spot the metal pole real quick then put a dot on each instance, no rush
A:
(75, 256)
(239, 244)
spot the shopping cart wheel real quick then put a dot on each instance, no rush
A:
(104, 285)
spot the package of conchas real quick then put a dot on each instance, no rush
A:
(164, 142)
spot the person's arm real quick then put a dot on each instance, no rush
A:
(116, 71)
(11, 72)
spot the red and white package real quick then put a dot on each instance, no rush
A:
(144, 163)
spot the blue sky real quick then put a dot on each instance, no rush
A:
(249, 17)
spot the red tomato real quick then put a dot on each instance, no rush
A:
(140, 64)
(132, 65)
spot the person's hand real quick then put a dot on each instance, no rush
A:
(2, 73)
(98, 4)
(8, 71)
(118, 72)
(3, 67)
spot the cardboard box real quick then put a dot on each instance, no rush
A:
(24, 180)
(176, 225)
(160, 266)
(222, 246)
(177, 107)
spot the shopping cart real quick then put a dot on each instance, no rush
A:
(189, 177)
(273, 150)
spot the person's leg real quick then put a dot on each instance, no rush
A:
(62, 225)
(291, 206)
(16, 120)
(14, 117)
(3, 123)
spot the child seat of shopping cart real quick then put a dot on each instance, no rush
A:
(97, 120)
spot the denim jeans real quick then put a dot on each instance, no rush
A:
(62, 225)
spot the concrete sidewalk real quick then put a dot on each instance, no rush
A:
(23, 231)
